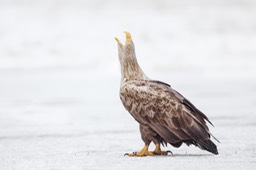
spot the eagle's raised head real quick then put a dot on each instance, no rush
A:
(127, 50)
(130, 68)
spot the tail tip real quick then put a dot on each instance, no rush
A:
(215, 152)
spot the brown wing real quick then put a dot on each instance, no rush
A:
(166, 111)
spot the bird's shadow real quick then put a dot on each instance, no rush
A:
(190, 155)
(181, 155)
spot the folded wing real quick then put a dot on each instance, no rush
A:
(167, 112)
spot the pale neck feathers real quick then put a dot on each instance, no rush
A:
(130, 69)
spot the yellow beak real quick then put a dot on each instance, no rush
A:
(128, 38)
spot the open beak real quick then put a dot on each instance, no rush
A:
(128, 39)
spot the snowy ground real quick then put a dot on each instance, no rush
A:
(59, 80)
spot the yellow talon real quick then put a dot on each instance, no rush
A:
(143, 152)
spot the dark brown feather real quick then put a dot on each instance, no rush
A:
(164, 115)
(165, 111)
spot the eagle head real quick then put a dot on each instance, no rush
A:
(126, 51)
(130, 68)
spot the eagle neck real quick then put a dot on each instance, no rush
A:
(131, 70)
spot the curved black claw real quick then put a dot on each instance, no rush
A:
(128, 154)
(168, 151)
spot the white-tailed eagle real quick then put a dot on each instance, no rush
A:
(164, 115)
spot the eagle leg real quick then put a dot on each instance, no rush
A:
(158, 151)
(143, 152)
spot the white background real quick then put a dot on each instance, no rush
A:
(59, 80)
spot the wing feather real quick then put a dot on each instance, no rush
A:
(165, 110)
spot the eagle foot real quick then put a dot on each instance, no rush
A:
(143, 152)
(139, 154)
(158, 151)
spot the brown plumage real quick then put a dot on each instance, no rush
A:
(164, 115)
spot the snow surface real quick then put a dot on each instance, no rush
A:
(59, 80)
